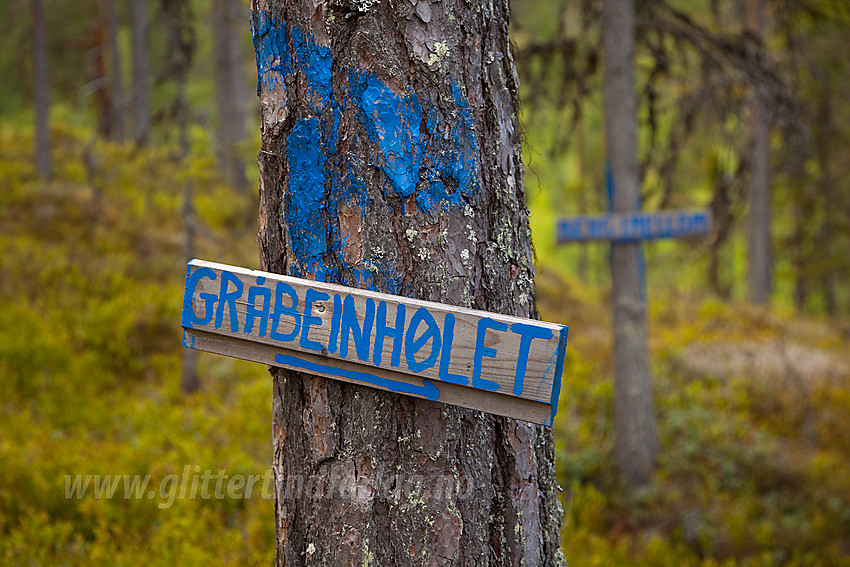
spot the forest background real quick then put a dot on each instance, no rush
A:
(146, 155)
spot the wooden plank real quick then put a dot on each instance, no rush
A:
(485, 361)
(630, 227)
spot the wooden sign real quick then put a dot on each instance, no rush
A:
(484, 361)
(635, 226)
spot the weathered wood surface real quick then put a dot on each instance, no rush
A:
(636, 226)
(485, 361)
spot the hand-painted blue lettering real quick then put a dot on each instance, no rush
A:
(428, 390)
(481, 351)
(189, 319)
(635, 226)
(280, 310)
(334, 338)
(527, 334)
(351, 328)
(382, 331)
(559, 369)
(252, 311)
(446, 353)
(229, 298)
(413, 344)
(311, 296)
(700, 222)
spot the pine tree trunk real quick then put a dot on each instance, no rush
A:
(141, 71)
(760, 254)
(98, 77)
(176, 16)
(41, 90)
(116, 126)
(634, 408)
(824, 142)
(230, 95)
(721, 210)
(391, 160)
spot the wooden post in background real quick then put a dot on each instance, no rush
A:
(760, 255)
(635, 441)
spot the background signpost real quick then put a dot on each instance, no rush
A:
(636, 442)
(485, 361)
(636, 226)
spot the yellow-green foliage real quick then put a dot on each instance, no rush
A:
(753, 467)
(752, 470)
(90, 347)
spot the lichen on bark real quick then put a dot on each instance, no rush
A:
(391, 160)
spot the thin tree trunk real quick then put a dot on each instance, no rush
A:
(721, 210)
(41, 90)
(176, 16)
(230, 92)
(391, 159)
(801, 215)
(824, 144)
(760, 254)
(98, 78)
(189, 379)
(116, 127)
(141, 72)
(634, 408)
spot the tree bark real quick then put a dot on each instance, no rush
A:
(41, 90)
(98, 77)
(116, 127)
(760, 255)
(634, 408)
(391, 160)
(721, 208)
(141, 71)
(825, 144)
(229, 89)
(176, 16)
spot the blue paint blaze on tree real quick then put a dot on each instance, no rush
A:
(271, 51)
(435, 160)
(453, 150)
(462, 162)
(315, 61)
(392, 121)
(306, 197)
(446, 154)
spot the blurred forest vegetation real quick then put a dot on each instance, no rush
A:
(152, 140)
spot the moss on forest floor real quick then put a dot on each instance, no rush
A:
(753, 406)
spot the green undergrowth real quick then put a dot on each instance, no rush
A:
(752, 468)
(92, 270)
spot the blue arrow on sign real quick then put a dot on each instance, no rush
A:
(427, 390)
